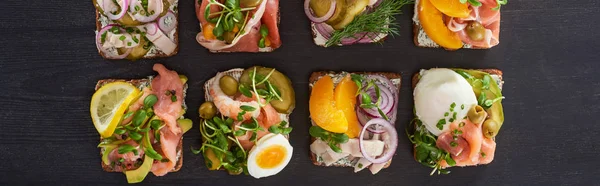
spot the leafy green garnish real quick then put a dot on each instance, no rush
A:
(280, 129)
(476, 3)
(381, 21)
(332, 139)
(426, 151)
(230, 16)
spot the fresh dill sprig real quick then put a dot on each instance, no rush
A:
(380, 21)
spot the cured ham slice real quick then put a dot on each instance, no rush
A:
(489, 19)
(267, 13)
(466, 144)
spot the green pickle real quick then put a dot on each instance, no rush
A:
(280, 81)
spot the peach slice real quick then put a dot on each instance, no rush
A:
(433, 23)
(345, 100)
(322, 107)
(452, 8)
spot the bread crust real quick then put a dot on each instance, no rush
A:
(313, 79)
(160, 54)
(138, 82)
(415, 80)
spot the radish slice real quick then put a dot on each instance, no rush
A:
(168, 22)
(108, 6)
(108, 53)
(325, 17)
(391, 146)
(137, 14)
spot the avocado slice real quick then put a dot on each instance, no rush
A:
(280, 81)
(496, 111)
(353, 8)
(185, 124)
(138, 175)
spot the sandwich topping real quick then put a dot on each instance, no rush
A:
(453, 24)
(238, 25)
(458, 114)
(135, 29)
(141, 127)
(244, 123)
(353, 123)
(346, 22)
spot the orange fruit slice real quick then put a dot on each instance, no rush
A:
(345, 100)
(322, 107)
(433, 23)
(452, 8)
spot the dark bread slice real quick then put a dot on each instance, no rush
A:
(417, 28)
(160, 54)
(491, 71)
(138, 83)
(315, 76)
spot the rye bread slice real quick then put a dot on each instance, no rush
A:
(491, 71)
(142, 83)
(235, 73)
(421, 39)
(313, 79)
(160, 54)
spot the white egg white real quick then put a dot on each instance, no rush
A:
(262, 144)
(437, 89)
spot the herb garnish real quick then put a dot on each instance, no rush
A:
(476, 3)
(281, 128)
(426, 151)
(367, 101)
(216, 135)
(264, 32)
(228, 18)
(332, 139)
(381, 21)
(482, 100)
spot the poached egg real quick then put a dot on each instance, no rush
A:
(436, 92)
(269, 156)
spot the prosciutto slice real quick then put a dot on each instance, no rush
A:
(267, 13)
(489, 19)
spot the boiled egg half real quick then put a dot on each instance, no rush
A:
(269, 156)
(439, 95)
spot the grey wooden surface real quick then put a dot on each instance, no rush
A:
(548, 51)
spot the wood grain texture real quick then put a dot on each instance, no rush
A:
(548, 53)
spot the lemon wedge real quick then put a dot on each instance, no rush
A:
(108, 105)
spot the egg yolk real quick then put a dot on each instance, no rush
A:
(271, 157)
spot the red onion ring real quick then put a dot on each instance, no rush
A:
(325, 17)
(165, 28)
(158, 9)
(151, 28)
(124, 4)
(324, 29)
(387, 101)
(106, 52)
(393, 143)
(364, 118)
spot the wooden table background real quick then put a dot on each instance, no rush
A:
(549, 54)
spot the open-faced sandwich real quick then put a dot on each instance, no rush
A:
(346, 22)
(458, 114)
(245, 121)
(136, 29)
(353, 123)
(455, 24)
(141, 123)
(238, 25)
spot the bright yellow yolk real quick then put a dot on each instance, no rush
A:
(271, 157)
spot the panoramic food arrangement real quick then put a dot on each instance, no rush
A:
(353, 119)
(245, 115)
(245, 121)
(455, 24)
(238, 25)
(136, 29)
(141, 123)
(347, 22)
(458, 113)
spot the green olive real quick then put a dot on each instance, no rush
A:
(476, 114)
(229, 85)
(490, 128)
(207, 110)
(249, 3)
(475, 31)
(229, 37)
